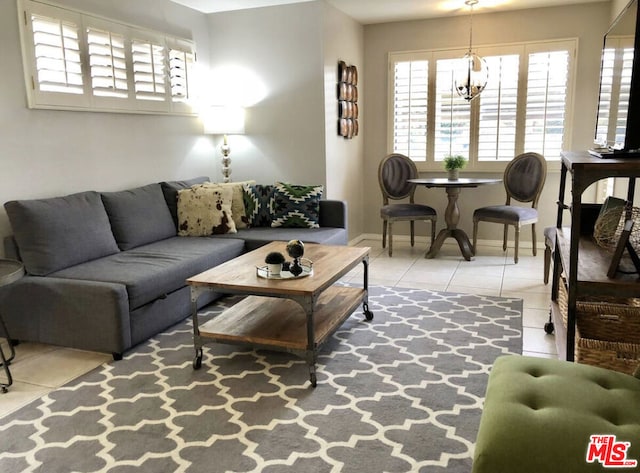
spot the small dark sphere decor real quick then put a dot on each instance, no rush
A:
(295, 249)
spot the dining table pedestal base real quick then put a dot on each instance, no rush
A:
(452, 214)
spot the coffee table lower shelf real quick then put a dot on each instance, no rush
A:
(283, 324)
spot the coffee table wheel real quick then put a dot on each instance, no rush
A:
(549, 328)
(197, 361)
(367, 313)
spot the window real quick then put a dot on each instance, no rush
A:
(75, 61)
(523, 108)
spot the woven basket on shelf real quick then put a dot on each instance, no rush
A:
(607, 332)
(609, 225)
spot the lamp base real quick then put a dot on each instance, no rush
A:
(226, 161)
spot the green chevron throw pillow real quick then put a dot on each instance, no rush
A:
(296, 206)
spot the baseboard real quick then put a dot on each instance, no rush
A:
(425, 240)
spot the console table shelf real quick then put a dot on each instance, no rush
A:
(584, 263)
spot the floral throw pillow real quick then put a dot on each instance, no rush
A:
(205, 209)
(258, 204)
(296, 206)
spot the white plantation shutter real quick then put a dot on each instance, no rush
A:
(181, 61)
(57, 52)
(53, 69)
(79, 61)
(107, 63)
(547, 83)
(428, 120)
(499, 109)
(149, 70)
(410, 108)
(453, 114)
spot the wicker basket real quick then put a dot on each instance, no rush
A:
(609, 226)
(607, 332)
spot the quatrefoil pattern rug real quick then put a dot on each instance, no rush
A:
(401, 393)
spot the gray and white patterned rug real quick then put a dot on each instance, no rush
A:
(402, 393)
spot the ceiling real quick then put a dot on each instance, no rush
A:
(381, 11)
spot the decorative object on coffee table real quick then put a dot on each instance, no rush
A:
(274, 261)
(295, 248)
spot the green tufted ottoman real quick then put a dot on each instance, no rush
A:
(539, 416)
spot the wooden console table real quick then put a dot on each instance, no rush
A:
(585, 264)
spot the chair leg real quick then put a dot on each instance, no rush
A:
(533, 239)
(413, 239)
(547, 263)
(433, 231)
(517, 243)
(475, 236)
(384, 234)
(504, 238)
(390, 232)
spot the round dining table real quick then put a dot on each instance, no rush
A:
(452, 213)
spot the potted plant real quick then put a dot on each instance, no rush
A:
(453, 164)
(274, 262)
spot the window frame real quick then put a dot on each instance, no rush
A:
(37, 98)
(523, 49)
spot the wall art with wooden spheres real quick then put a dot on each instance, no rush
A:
(347, 100)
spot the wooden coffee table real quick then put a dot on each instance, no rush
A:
(292, 315)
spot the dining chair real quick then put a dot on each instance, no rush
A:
(523, 180)
(393, 172)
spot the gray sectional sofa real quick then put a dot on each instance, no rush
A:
(106, 271)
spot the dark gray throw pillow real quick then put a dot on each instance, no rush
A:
(56, 233)
(138, 216)
(170, 190)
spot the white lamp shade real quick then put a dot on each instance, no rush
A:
(223, 120)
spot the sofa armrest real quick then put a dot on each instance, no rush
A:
(11, 248)
(80, 314)
(333, 213)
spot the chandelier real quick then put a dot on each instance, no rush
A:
(473, 73)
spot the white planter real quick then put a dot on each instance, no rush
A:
(274, 269)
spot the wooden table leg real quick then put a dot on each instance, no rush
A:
(452, 217)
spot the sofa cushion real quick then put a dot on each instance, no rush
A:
(170, 190)
(205, 209)
(258, 204)
(138, 216)
(159, 268)
(296, 206)
(56, 233)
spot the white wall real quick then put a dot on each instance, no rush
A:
(279, 51)
(587, 22)
(344, 40)
(45, 153)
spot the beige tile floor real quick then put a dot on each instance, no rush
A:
(37, 369)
